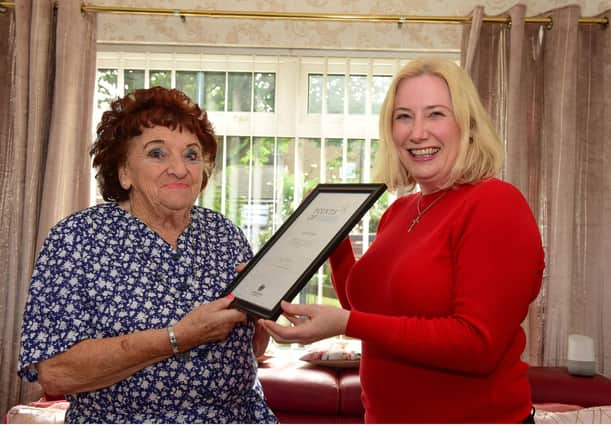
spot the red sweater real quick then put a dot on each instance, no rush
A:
(438, 309)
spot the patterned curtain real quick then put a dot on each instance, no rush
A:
(548, 88)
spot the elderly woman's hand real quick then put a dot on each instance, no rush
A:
(311, 322)
(207, 323)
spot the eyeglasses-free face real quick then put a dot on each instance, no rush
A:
(164, 170)
(425, 131)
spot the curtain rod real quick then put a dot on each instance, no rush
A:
(398, 19)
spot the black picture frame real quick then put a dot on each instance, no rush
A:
(345, 205)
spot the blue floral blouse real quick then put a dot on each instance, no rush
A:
(103, 273)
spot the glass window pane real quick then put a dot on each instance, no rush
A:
(322, 280)
(328, 292)
(214, 89)
(258, 216)
(107, 87)
(265, 92)
(375, 213)
(134, 79)
(309, 162)
(187, 81)
(353, 173)
(212, 194)
(358, 94)
(333, 160)
(237, 175)
(379, 86)
(315, 93)
(375, 145)
(239, 92)
(335, 93)
(285, 180)
(161, 78)
(355, 158)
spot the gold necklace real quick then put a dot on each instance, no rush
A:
(423, 211)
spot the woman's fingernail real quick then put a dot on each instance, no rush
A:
(230, 296)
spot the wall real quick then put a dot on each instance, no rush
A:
(196, 31)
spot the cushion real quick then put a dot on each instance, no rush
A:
(556, 407)
(39, 412)
(593, 415)
(334, 353)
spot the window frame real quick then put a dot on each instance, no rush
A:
(290, 117)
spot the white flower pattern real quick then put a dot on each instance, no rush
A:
(103, 273)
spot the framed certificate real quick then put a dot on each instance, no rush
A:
(301, 245)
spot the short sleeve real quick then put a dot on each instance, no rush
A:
(245, 251)
(55, 316)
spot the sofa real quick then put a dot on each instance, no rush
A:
(299, 392)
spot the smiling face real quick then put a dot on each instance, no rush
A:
(424, 130)
(164, 170)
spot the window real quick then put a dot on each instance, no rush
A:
(284, 124)
(358, 87)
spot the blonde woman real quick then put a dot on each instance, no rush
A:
(439, 297)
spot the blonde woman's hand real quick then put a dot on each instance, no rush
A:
(310, 323)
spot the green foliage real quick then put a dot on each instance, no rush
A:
(161, 78)
(107, 84)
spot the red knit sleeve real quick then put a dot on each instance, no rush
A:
(498, 259)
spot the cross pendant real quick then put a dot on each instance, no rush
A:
(413, 224)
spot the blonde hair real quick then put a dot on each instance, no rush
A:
(481, 152)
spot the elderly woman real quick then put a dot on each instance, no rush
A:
(439, 297)
(124, 316)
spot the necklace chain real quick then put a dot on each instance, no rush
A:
(423, 211)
